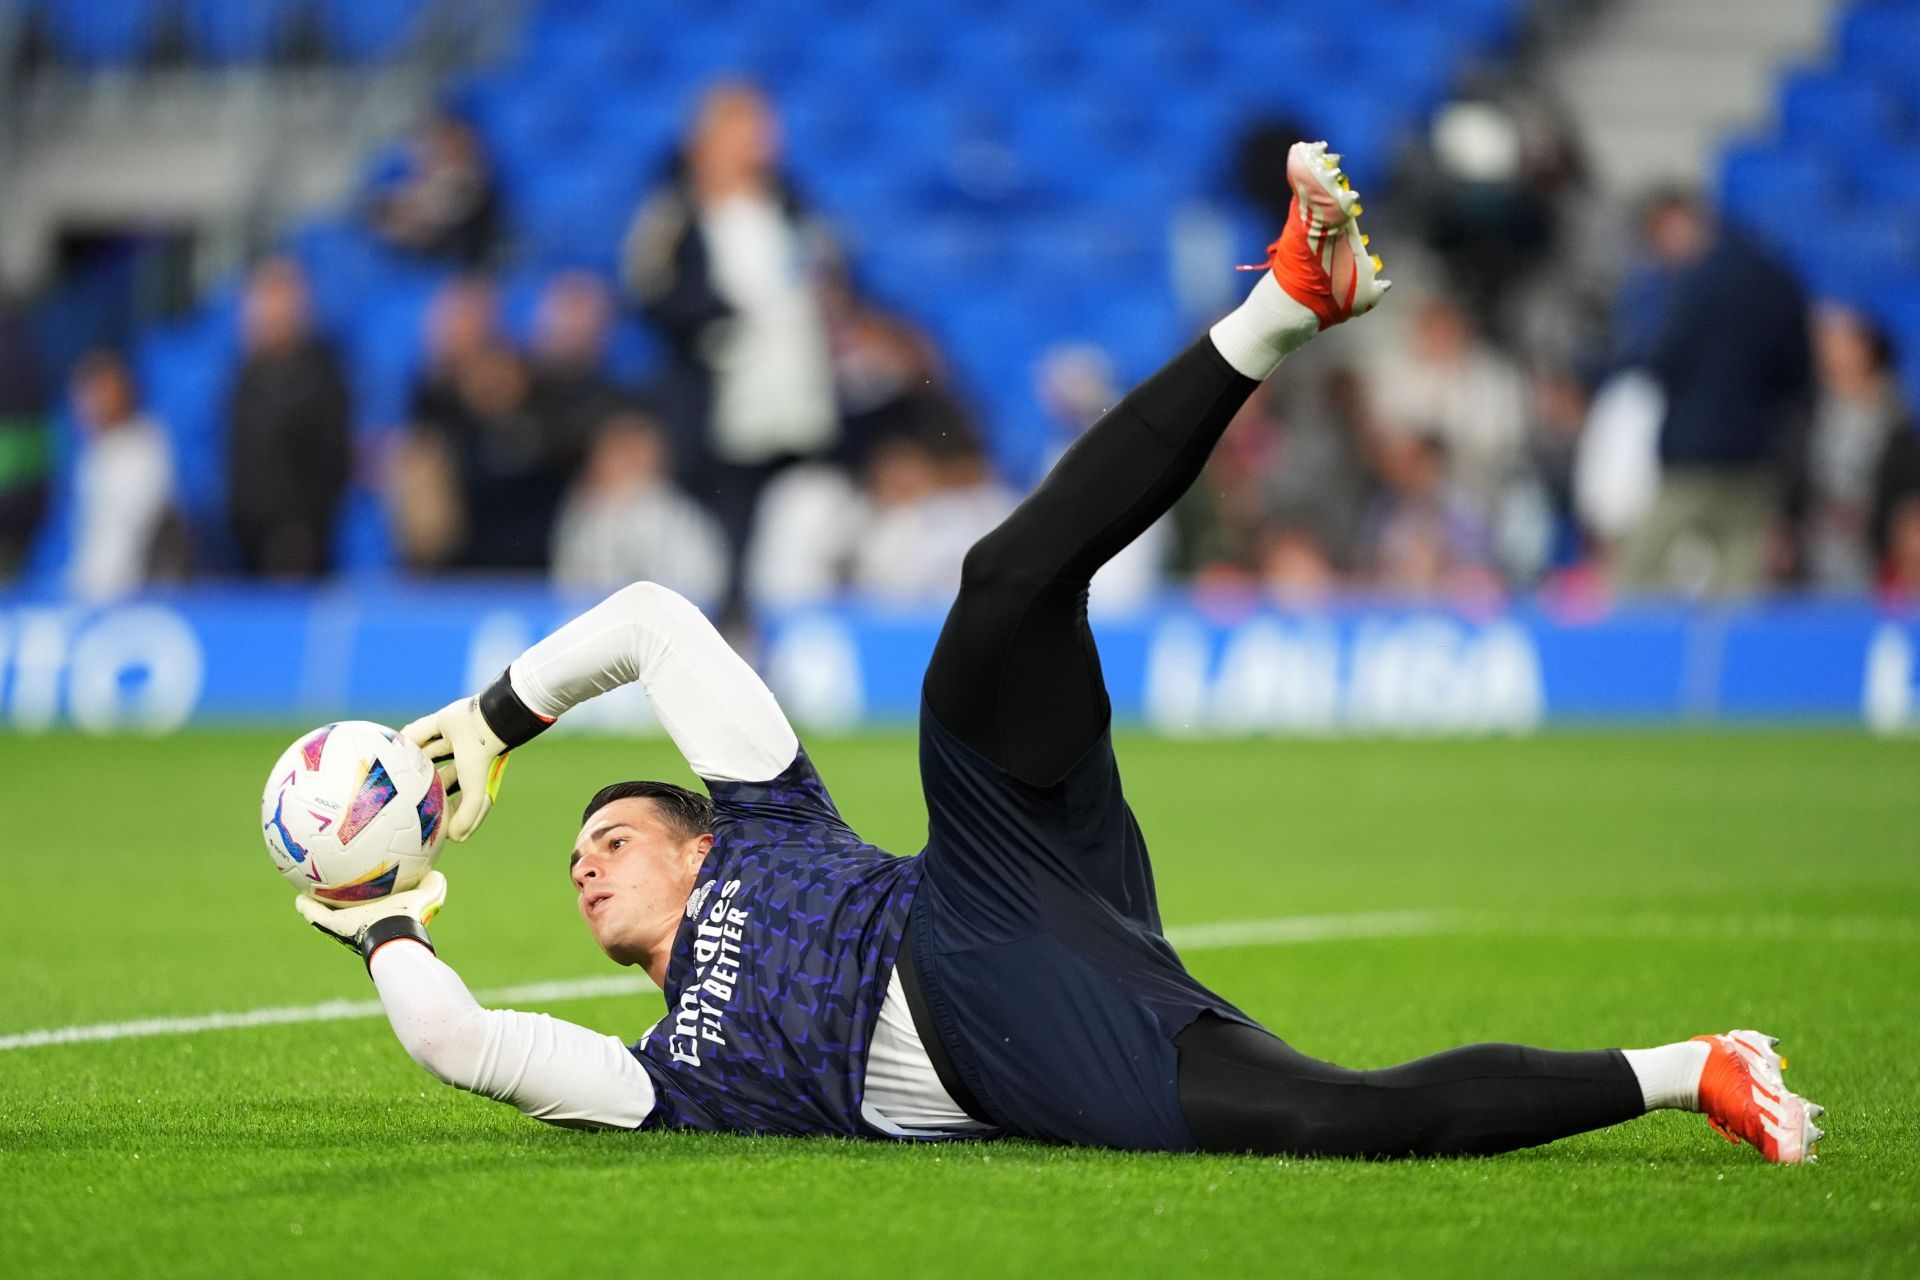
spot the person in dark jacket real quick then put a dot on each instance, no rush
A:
(1734, 360)
(288, 431)
(24, 453)
(444, 204)
(727, 265)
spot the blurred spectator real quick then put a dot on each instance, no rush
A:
(1434, 538)
(726, 262)
(508, 468)
(929, 499)
(1076, 385)
(887, 372)
(1673, 236)
(1560, 403)
(1896, 515)
(1292, 565)
(1259, 163)
(288, 417)
(1857, 409)
(463, 323)
(1900, 573)
(123, 481)
(1500, 163)
(1616, 466)
(572, 393)
(1220, 519)
(24, 457)
(1327, 466)
(625, 521)
(1452, 384)
(443, 204)
(1733, 361)
(428, 509)
(810, 516)
(926, 496)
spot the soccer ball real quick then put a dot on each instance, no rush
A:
(353, 812)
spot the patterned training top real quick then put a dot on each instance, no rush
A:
(780, 967)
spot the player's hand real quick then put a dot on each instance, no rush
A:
(365, 926)
(470, 756)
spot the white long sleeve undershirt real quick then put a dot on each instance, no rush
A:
(554, 1071)
(718, 712)
(728, 726)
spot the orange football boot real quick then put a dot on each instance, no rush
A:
(1321, 259)
(1747, 1100)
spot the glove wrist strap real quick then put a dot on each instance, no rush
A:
(391, 929)
(511, 720)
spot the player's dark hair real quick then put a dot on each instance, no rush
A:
(686, 813)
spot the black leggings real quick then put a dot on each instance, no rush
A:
(1242, 1089)
(1016, 676)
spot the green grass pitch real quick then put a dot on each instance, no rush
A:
(1595, 889)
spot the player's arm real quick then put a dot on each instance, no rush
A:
(552, 1070)
(719, 713)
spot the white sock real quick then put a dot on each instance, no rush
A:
(1264, 330)
(1670, 1075)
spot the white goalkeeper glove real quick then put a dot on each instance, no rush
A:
(368, 926)
(468, 743)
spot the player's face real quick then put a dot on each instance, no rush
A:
(633, 875)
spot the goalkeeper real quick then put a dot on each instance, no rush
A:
(1013, 978)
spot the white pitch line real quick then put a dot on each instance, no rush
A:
(1287, 930)
(619, 984)
(1220, 935)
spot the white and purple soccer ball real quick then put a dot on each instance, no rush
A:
(353, 812)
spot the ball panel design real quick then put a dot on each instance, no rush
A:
(431, 809)
(377, 883)
(311, 746)
(369, 799)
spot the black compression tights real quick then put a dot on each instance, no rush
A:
(1241, 1089)
(1015, 675)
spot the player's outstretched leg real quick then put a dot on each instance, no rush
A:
(1244, 1090)
(1015, 674)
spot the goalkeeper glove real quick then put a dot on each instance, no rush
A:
(368, 926)
(468, 742)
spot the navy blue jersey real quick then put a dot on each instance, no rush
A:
(780, 967)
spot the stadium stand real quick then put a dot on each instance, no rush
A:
(1006, 180)
(1001, 176)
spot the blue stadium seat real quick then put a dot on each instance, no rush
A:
(1488, 24)
(880, 57)
(371, 30)
(1851, 256)
(1891, 177)
(1883, 39)
(1774, 190)
(576, 212)
(100, 34)
(386, 349)
(1143, 61)
(1410, 64)
(1263, 59)
(1015, 61)
(184, 372)
(362, 537)
(238, 31)
(1840, 111)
